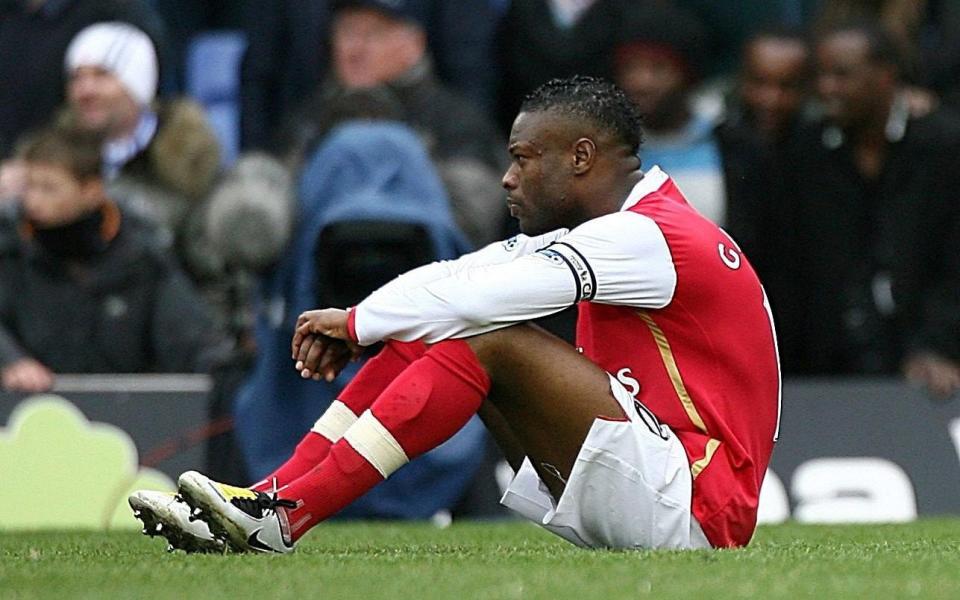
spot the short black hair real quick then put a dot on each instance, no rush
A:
(592, 98)
(788, 33)
(882, 46)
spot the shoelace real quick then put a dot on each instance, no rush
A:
(256, 507)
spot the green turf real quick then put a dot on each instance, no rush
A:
(505, 560)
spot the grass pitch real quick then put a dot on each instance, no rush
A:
(483, 560)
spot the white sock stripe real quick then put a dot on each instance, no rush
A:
(376, 444)
(335, 421)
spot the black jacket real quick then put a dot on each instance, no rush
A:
(874, 272)
(128, 309)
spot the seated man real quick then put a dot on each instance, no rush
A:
(674, 381)
(85, 288)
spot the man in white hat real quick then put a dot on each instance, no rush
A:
(111, 73)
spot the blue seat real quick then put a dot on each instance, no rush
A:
(213, 80)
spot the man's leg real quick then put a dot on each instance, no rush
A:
(548, 394)
(544, 398)
(359, 394)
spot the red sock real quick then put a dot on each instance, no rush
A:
(423, 407)
(359, 394)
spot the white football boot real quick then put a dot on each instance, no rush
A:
(165, 514)
(248, 520)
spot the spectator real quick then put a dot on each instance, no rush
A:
(773, 84)
(287, 55)
(34, 35)
(872, 191)
(85, 288)
(376, 43)
(166, 146)
(927, 33)
(163, 158)
(764, 113)
(657, 63)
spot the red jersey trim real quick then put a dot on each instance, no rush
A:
(352, 324)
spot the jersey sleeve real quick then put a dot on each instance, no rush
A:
(621, 258)
(618, 259)
(491, 254)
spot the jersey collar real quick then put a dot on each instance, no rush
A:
(651, 182)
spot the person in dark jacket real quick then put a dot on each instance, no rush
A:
(86, 289)
(872, 195)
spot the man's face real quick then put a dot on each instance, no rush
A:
(772, 88)
(370, 48)
(849, 83)
(54, 197)
(99, 100)
(652, 80)
(539, 176)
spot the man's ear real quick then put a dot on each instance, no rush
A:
(584, 155)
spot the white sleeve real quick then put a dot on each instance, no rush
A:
(620, 258)
(491, 254)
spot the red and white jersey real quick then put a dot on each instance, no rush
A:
(668, 305)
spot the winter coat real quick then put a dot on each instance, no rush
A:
(128, 309)
(873, 267)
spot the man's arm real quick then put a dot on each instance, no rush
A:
(621, 258)
(18, 371)
(492, 254)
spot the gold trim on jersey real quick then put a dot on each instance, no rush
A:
(666, 353)
(708, 452)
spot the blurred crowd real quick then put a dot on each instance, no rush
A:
(822, 134)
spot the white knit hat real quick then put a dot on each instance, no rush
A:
(121, 49)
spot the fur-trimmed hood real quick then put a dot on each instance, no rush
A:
(183, 157)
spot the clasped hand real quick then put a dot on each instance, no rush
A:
(321, 344)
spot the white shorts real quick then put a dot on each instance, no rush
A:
(630, 487)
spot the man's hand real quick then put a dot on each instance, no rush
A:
(321, 344)
(26, 375)
(939, 375)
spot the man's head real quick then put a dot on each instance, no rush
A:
(111, 77)
(773, 79)
(572, 146)
(857, 73)
(656, 63)
(63, 176)
(375, 41)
